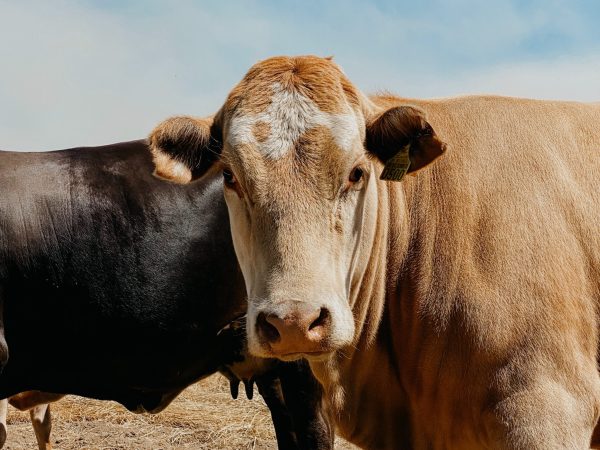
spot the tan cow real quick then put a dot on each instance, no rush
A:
(457, 308)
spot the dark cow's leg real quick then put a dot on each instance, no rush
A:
(596, 437)
(3, 413)
(3, 344)
(42, 425)
(269, 387)
(3, 361)
(303, 397)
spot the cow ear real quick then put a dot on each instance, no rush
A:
(403, 140)
(184, 148)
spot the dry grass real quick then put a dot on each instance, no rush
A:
(203, 417)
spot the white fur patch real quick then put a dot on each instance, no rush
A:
(290, 115)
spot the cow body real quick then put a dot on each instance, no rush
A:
(473, 285)
(100, 293)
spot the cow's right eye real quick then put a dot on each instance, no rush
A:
(228, 177)
(356, 175)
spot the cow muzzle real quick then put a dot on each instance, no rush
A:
(300, 330)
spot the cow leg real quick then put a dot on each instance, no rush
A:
(3, 344)
(3, 412)
(39, 410)
(42, 425)
(270, 388)
(596, 437)
(304, 400)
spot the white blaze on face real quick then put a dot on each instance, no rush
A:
(289, 116)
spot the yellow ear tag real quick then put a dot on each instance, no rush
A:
(397, 166)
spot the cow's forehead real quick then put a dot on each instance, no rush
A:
(275, 130)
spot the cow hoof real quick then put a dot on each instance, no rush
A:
(2, 434)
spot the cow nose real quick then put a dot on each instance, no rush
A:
(296, 332)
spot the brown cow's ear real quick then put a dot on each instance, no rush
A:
(184, 148)
(402, 139)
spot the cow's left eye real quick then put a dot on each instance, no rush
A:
(356, 175)
(228, 177)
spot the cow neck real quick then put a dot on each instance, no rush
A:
(364, 378)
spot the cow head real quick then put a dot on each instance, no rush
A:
(300, 149)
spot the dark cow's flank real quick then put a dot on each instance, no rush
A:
(118, 267)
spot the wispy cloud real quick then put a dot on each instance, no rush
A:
(85, 73)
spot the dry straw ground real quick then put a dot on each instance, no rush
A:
(203, 417)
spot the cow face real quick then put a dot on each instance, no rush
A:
(295, 142)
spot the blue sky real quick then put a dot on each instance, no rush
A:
(94, 72)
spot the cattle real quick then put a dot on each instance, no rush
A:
(437, 262)
(115, 285)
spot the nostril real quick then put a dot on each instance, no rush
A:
(267, 330)
(321, 321)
